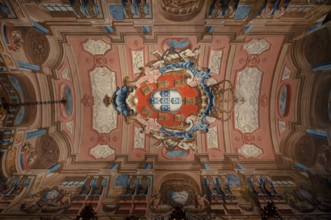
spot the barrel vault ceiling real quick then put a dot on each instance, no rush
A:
(152, 51)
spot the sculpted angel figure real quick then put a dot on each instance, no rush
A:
(201, 202)
(172, 56)
(155, 202)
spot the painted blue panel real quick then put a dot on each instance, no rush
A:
(104, 182)
(317, 133)
(177, 153)
(22, 161)
(247, 29)
(122, 180)
(148, 166)
(54, 167)
(114, 166)
(233, 180)
(108, 28)
(178, 44)
(36, 133)
(147, 10)
(146, 29)
(117, 12)
(16, 84)
(135, 9)
(242, 12)
(68, 96)
(262, 7)
(300, 167)
(322, 67)
(5, 9)
(5, 34)
(239, 166)
(39, 27)
(210, 29)
(315, 27)
(25, 65)
(206, 166)
(211, 9)
(282, 100)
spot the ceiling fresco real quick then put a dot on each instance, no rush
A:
(167, 109)
(182, 72)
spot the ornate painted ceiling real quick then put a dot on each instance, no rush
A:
(164, 97)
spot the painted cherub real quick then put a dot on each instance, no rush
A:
(155, 202)
(201, 202)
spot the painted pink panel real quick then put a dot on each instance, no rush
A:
(86, 62)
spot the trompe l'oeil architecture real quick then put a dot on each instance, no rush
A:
(165, 109)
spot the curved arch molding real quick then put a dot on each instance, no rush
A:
(103, 83)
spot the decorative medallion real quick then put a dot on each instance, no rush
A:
(87, 100)
(102, 151)
(96, 47)
(257, 46)
(250, 150)
(36, 46)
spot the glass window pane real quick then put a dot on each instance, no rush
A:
(49, 8)
(57, 8)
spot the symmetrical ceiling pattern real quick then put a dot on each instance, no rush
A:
(181, 109)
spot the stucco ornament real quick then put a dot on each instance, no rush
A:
(66, 74)
(103, 83)
(250, 150)
(257, 46)
(286, 74)
(137, 60)
(212, 138)
(96, 47)
(102, 151)
(248, 88)
(215, 61)
(281, 126)
(139, 138)
(70, 127)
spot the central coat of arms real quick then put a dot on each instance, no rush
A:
(172, 99)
